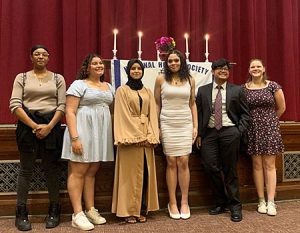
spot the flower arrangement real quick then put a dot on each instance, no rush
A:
(165, 44)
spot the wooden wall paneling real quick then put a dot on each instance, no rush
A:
(200, 193)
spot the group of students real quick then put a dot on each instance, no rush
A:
(215, 120)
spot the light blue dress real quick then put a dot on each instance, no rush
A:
(94, 124)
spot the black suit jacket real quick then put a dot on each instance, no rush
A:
(236, 107)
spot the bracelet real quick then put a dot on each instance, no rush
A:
(74, 138)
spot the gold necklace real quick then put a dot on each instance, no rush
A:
(41, 77)
(176, 80)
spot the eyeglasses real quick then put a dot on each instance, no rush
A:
(222, 68)
(41, 54)
(173, 60)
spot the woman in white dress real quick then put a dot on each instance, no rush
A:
(88, 138)
(175, 99)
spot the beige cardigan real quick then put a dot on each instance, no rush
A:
(130, 128)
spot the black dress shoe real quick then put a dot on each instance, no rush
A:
(217, 210)
(236, 216)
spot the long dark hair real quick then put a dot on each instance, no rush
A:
(83, 72)
(183, 73)
(265, 77)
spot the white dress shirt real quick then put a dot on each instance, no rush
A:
(225, 119)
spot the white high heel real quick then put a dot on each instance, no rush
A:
(185, 216)
(173, 216)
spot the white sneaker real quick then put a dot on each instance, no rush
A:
(94, 216)
(271, 208)
(262, 207)
(81, 222)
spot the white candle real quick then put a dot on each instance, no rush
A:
(186, 42)
(140, 40)
(206, 43)
(115, 31)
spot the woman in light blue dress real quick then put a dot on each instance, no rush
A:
(88, 138)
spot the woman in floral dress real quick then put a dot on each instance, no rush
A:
(267, 104)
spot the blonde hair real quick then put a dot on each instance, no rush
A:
(265, 77)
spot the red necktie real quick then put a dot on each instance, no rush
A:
(218, 109)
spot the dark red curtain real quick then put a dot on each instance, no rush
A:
(239, 31)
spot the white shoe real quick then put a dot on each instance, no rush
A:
(271, 208)
(186, 215)
(262, 207)
(173, 216)
(94, 216)
(81, 222)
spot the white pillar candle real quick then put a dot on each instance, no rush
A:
(206, 43)
(115, 31)
(140, 40)
(186, 36)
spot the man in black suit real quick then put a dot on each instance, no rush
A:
(223, 116)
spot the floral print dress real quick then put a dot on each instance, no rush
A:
(264, 136)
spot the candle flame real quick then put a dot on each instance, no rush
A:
(115, 31)
(206, 36)
(140, 33)
(186, 35)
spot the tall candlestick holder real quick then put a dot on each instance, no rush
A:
(187, 54)
(206, 57)
(157, 55)
(114, 54)
(139, 54)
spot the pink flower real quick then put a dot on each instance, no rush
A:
(165, 44)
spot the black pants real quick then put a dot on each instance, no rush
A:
(219, 153)
(52, 170)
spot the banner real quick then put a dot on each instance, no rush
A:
(201, 72)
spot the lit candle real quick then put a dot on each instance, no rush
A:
(140, 40)
(206, 43)
(186, 36)
(115, 31)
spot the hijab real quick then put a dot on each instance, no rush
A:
(134, 84)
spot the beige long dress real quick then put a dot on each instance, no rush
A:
(133, 125)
